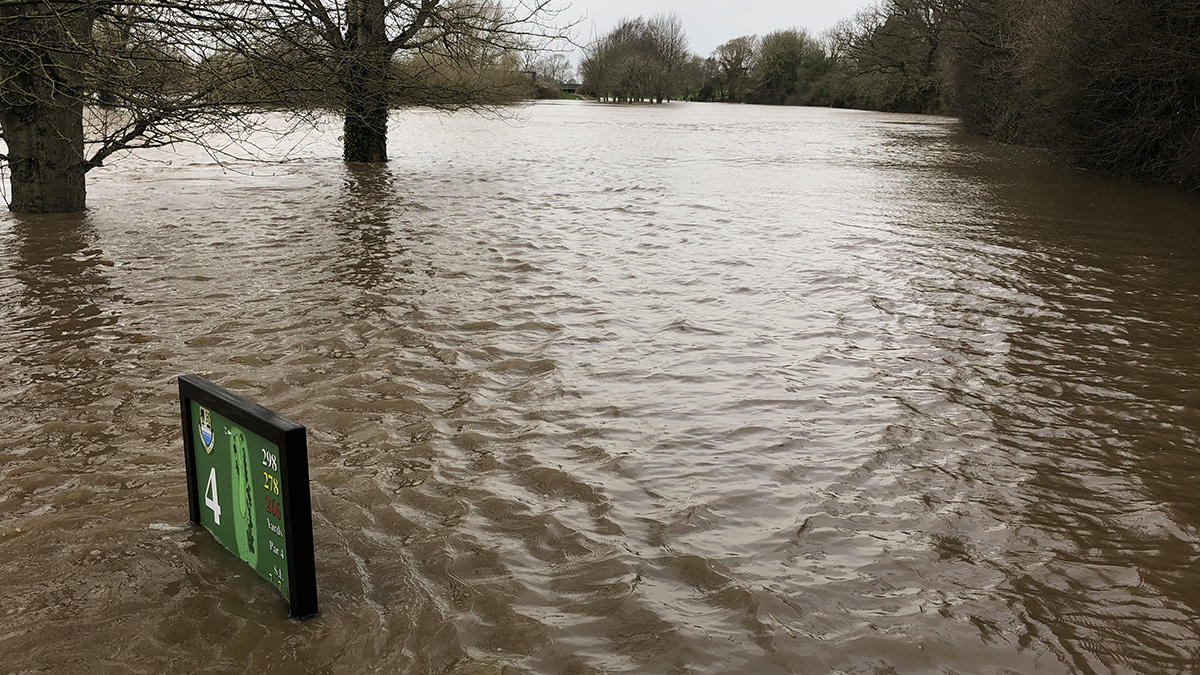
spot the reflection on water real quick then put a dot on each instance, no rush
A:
(62, 298)
(362, 219)
(618, 389)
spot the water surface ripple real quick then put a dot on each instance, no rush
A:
(685, 388)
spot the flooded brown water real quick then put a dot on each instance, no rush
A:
(690, 388)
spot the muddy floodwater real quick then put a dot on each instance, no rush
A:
(618, 389)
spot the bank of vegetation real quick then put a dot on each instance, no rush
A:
(1113, 85)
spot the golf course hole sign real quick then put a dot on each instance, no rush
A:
(247, 473)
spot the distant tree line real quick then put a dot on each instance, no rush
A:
(1112, 84)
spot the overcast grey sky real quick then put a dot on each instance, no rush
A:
(710, 22)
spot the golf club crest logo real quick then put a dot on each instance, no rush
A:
(206, 432)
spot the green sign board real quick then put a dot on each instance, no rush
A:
(247, 470)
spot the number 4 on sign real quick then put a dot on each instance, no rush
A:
(210, 496)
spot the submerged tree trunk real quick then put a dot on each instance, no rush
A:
(365, 129)
(364, 136)
(45, 155)
(41, 106)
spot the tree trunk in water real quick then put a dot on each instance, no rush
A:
(365, 130)
(41, 107)
(364, 136)
(45, 155)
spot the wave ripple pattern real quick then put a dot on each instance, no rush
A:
(618, 389)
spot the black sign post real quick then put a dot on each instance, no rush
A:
(247, 474)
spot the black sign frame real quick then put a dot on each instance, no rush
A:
(291, 439)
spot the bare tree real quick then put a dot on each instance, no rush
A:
(735, 59)
(639, 60)
(670, 44)
(81, 80)
(553, 67)
(894, 50)
(787, 59)
(354, 44)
